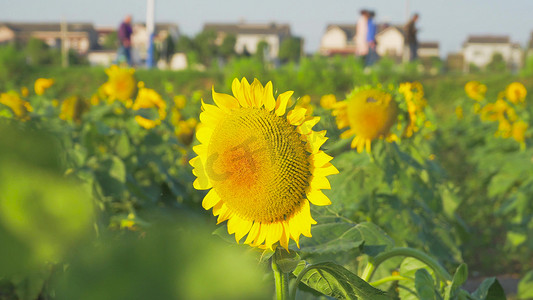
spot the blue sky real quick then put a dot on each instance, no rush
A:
(446, 21)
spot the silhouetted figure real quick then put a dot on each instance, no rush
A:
(124, 37)
(372, 55)
(361, 33)
(410, 37)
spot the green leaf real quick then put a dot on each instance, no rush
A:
(490, 289)
(424, 284)
(409, 267)
(287, 261)
(335, 281)
(525, 286)
(341, 237)
(459, 278)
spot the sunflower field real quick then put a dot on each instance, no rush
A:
(309, 181)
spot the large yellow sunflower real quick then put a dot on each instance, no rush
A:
(369, 113)
(262, 166)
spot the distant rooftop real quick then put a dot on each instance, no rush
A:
(488, 39)
(47, 26)
(245, 28)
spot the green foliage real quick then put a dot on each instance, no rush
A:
(290, 49)
(111, 41)
(497, 63)
(227, 48)
(261, 50)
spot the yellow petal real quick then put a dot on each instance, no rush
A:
(319, 183)
(257, 93)
(326, 170)
(296, 116)
(202, 181)
(204, 133)
(274, 234)
(254, 231)
(320, 158)
(224, 101)
(318, 198)
(270, 102)
(210, 200)
(245, 87)
(243, 229)
(315, 140)
(285, 234)
(281, 103)
(238, 92)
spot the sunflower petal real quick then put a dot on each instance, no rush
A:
(210, 200)
(281, 103)
(224, 101)
(318, 198)
(270, 102)
(296, 116)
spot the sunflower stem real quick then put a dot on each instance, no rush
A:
(373, 264)
(281, 280)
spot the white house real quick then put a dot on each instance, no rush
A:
(338, 39)
(479, 50)
(390, 41)
(249, 35)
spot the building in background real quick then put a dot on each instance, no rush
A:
(390, 39)
(80, 37)
(338, 40)
(480, 50)
(248, 36)
(164, 33)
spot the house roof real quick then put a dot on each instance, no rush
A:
(244, 28)
(349, 29)
(488, 39)
(31, 27)
(427, 45)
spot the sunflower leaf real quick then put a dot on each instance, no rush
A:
(335, 281)
(341, 237)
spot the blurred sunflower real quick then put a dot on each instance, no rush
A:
(185, 130)
(413, 93)
(121, 83)
(518, 131)
(19, 107)
(475, 90)
(42, 84)
(72, 109)
(262, 165)
(369, 114)
(494, 111)
(146, 99)
(516, 92)
(328, 101)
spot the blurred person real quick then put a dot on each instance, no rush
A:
(361, 33)
(410, 37)
(372, 55)
(124, 37)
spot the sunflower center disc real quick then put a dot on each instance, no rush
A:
(258, 165)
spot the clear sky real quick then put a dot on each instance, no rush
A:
(447, 21)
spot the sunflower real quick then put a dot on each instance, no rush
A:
(146, 99)
(518, 131)
(516, 92)
(413, 93)
(19, 107)
(121, 83)
(261, 165)
(370, 115)
(475, 90)
(72, 109)
(42, 84)
(328, 101)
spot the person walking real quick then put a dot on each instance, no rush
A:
(372, 55)
(410, 37)
(361, 34)
(124, 37)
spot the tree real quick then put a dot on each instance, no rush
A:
(39, 53)
(227, 49)
(110, 41)
(204, 44)
(262, 48)
(290, 49)
(497, 64)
